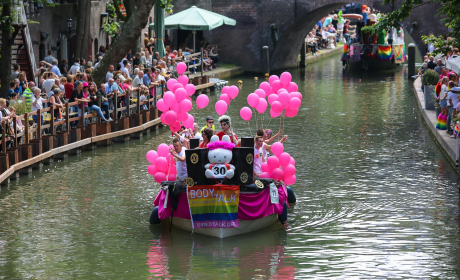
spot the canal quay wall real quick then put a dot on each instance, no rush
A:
(443, 139)
(324, 54)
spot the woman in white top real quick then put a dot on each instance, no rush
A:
(443, 96)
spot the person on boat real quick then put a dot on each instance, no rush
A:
(179, 154)
(209, 124)
(226, 123)
(266, 147)
(258, 157)
(206, 134)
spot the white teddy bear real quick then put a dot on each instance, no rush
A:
(220, 155)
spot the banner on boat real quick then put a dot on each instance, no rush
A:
(214, 206)
(400, 53)
(385, 53)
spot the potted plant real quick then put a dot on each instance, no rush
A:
(429, 80)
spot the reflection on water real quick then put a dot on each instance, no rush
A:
(376, 198)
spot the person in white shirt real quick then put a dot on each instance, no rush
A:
(258, 157)
(443, 96)
(196, 132)
(75, 67)
(37, 103)
(125, 67)
(179, 154)
(137, 81)
(48, 83)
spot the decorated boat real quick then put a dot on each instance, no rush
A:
(371, 57)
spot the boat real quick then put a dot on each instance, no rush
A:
(256, 209)
(373, 57)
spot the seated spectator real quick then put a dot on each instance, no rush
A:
(431, 64)
(92, 104)
(439, 66)
(55, 101)
(101, 93)
(423, 68)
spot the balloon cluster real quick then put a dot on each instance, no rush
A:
(176, 102)
(163, 166)
(228, 93)
(280, 166)
(282, 95)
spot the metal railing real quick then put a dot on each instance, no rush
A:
(22, 18)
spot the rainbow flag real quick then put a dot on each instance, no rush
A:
(214, 206)
(346, 51)
(400, 53)
(441, 123)
(385, 53)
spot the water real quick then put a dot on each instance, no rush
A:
(376, 199)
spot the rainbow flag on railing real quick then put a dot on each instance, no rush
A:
(400, 53)
(346, 51)
(214, 206)
(385, 53)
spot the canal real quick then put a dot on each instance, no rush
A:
(376, 199)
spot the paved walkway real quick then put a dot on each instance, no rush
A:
(221, 73)
(445, 142)
(323, 54)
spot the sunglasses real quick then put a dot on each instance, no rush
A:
(211, 122)
(224, 123)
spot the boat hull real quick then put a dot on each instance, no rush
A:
(244, 227)
(366, 64)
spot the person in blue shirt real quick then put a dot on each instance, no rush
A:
(320, 25)
(146, 78)
(55, 68)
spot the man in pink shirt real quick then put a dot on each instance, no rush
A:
(444, 73)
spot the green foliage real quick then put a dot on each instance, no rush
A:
(21, 108)
(166, 4)
(430, 77)
(112, 27)
(441, 45)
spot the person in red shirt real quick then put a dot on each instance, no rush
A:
(206, 134)
(69, 87)
(226, 122)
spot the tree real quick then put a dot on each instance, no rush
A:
(137, 14)
(83, 29)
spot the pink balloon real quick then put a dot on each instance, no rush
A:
(225, 98)
(253, 100)
(281, 90)
(161, 105)
(170, 83)
(277, 173)
(182, 116)
(190, 89)
(233, 92)
(151, 156)
(277, 148)
(221, 107)
(169, 158)
(266, 168)
(289, 170)
(265, 87)
(291, 113)
(185, 106)
(175, 127)
(152, 170)
(294, 103)
(290, 180)
(284, 98)
(296, 94)
(274, 114)
(265, 175)
(292, 87)
(276, 85)
(181, 68)
(277, 107)
(225, 89)
(272, 79)
(169, 99)
(172, 169)
(202, 101)
(175, 107)
(161, 163)
(160, 177)
(284, 158)
(172, 177)
(171, 147)
(163, 150)
(286, 78)
(261, 93)
(262, 106)
(183, 80)
(188, 123)
(272, 98)
(170, 117)
(273, 162)
(180, 94)
(176, 86)
(162, 118)
(292, 161)
(246, 113)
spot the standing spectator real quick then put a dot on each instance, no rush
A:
(17, 88)
(258, 157)
(138, 79)
(55, 68)
(82, 65)
(22, 81)
(55, 100)
(75, 67)
(16, 70)
(109, 74)
(48, 83)
(431, 64)
(50, 57)
(28, 93)
(37, 103)
(125, 67)
(77, 95)
(137, 59)
(101, 93)
(146, 40)
(64, 68)
(189, 41)
(146, 78)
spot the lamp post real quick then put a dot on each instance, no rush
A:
(69, 25)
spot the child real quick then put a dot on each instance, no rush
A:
(143, 99)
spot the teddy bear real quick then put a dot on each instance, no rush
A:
(220, 156)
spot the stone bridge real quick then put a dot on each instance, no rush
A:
(242, 44)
